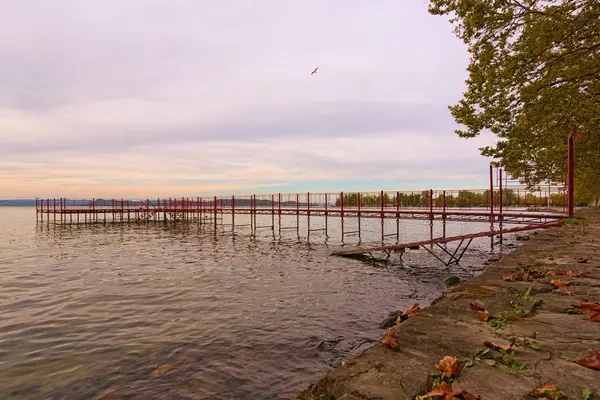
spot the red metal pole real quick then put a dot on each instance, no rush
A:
(431, 204)
(571, 177)
(382, 220)
(500, 202)
(491, 197)
(279, 204)
(308, 204)
(500, 189)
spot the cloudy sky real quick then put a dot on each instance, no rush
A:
(141, 98)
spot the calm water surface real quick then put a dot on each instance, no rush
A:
(92, 311)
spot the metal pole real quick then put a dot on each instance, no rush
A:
(358, 199)
(444, 214)
(342, 213)
(397, 216)
(431, 214)
(326, 216)
(382, 216)
(491, 197)
(571, 178)
(491, 204)
(500, 202)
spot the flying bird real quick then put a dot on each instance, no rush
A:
(315, 71)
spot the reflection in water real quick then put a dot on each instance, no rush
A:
(92, 311)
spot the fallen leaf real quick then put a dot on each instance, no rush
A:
(558, 283)
(497, 346)
(441, 389)
(541, 392)
(510, 278)
(391, 340)
(592, 361)
(161, 370)
(574, 274)
(533, 274)
(483, 315)
(475, 306)
(412, 310)
(582, 260)
(565, 292)
(592, 310)
(463, 394)
(449, 366)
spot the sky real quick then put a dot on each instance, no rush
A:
(169, 98)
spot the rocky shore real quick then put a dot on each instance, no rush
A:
(530, 320)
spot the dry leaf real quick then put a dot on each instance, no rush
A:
(533, 274)
(161, 370)
(412, 310)
(582, 260)
(574, 274)
(541, 392)
(565, 292)
(441, 389)
(449, 366)
(497, 346)
(464, 395)
(483, 315)
(558, 283)
(391, 340)
(592, 361)
(475, 306)
(52, 325)
(510, 278)
(592, 310)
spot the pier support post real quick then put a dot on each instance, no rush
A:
(571, 177)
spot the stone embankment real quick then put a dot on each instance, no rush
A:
(537, 302)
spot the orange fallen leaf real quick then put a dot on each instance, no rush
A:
(391, 340)
(446, 392)
(582, 260)
(497, 346)
(52, 325)
(533, 274)
(412, 310)
(161, 370)
(571, 273)
(510, 278)
(449, 366)
(441, 389)
(483, 315)
(592, 310)
(475, 306)
(592, 361)
(558, 283)
(565, 292)
(541, 392)
(463, 394)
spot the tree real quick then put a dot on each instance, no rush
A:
(534, 77)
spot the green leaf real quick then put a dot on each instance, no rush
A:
(535, 346)
(489, 361)
(469, 363)
(586, 394)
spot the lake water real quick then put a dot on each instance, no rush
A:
(91, 311)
